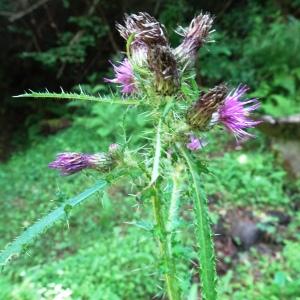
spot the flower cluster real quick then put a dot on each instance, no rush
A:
(149, 49)
(163, 68)
(155, 71)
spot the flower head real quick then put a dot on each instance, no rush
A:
(162, 63)
(200, 114)
(195, 143)
(194, 37)
(124, 76)
(72, 162)
(145, 28)
(234, 113)
(146, 32)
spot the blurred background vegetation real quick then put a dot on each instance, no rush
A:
(254, 188)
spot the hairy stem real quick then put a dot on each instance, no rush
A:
(162, 234)
(174, 201)
(203, 231)
(165, 251)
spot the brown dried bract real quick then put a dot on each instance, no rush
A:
(199, 114)
(145, 28)
(194, 37)
(163, 64)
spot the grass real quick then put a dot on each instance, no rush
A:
(95, 254)
(264, 277)
(247, 176)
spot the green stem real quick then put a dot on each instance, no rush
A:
(203, 231)
(174, 201)
(163, 240)
(165, 251)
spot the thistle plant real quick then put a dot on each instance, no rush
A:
(159, 80)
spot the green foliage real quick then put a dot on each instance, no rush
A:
(265, 56)
(245, 177)
(71, 48)
(126, 121)
(269, 278)
(119, 265)
(30, 193)
(21, 243)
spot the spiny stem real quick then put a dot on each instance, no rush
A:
(174, 200)
(170, 272)
(203, 231)
(155, 169)
(165, 250)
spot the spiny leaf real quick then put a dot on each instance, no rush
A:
(82, 96)
(146, 225)
(156, 161)
(21, 242)
(203, 231)
(177, 177)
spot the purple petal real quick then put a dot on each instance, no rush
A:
(124, 76)
(234, 113)
(195, 144)
(70, 162)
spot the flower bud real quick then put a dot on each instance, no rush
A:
(200, 114)
(115, 151)
(145, 28)
(72, 162)
(194, 37)
(162, 63)
(146, 32)
(195, 144)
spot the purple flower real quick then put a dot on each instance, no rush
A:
(124, 76)
(201, 114)
(145, 28)
(195, 144)
(234, 113)
(72, 162)
(194, 37)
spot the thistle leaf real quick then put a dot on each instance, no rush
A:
(177, 177)
(203, 232)
(82, 97)
(46, 222)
